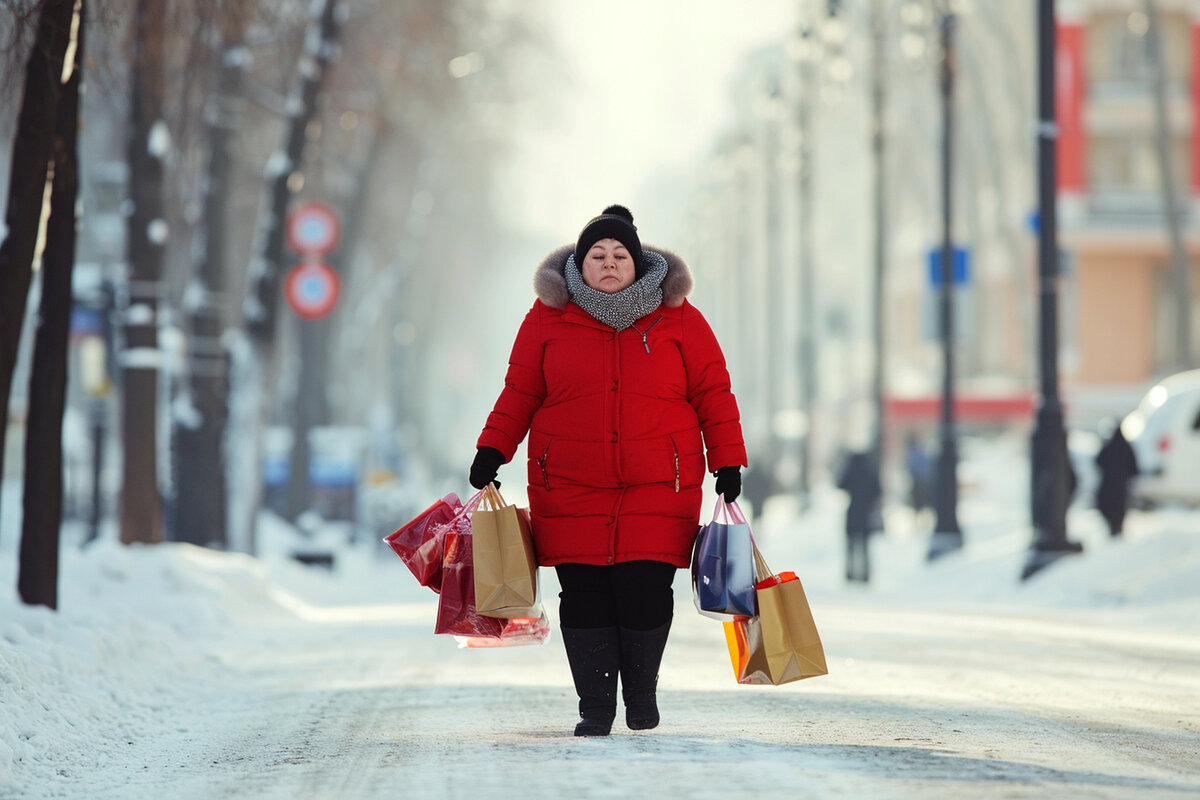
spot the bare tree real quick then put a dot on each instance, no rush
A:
(149, 141)
(261, 308)
(37, 581)
(27, 184)
(1170, 201)
(199, 452)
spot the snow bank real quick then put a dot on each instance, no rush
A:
(127, 646)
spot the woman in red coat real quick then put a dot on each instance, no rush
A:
(622, 389)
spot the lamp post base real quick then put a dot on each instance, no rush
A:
(943, 543)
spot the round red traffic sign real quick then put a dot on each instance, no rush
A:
(312, 229)
(312, 289)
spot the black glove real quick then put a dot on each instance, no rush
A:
(729, 482)
(487, 462)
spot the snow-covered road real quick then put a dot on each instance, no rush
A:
(363, 702)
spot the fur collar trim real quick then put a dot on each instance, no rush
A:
(550, 282)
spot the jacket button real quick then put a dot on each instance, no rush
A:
(608, 560)
(614, 438)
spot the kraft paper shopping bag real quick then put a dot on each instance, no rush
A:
(791, 645)
(505, 566)
(781, 643)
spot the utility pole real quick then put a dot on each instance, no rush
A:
(1049, 445)
(947, 536)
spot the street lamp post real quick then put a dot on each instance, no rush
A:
(808, 351)
(1049, 445)
(878, 68)
(947, 536)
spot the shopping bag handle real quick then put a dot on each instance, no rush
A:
(733, 512)
(470, 505)
(492, 495)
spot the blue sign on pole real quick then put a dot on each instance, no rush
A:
(959, 266)
(86, 321)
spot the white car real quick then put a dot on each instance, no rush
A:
(1164, 431)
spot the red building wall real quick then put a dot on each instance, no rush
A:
(1070, 44)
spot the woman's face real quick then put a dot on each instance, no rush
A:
(608, 267)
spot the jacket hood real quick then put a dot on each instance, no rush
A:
(550, 282)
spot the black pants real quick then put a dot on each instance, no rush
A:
(633, 594)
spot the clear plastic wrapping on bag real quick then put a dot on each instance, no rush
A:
(517, 631)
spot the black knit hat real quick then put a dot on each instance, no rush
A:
(615, 223)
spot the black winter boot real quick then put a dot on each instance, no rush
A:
(595, 656)
(641, 654)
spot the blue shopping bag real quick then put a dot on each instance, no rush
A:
(723, 565)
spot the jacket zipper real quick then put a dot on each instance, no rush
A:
(645, 343)
(675, 449)
(542, 463)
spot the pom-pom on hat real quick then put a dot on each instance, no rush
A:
(616, 222)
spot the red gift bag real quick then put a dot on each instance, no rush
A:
(456, 607)
(418, 543)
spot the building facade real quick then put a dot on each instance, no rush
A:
(1120, 295)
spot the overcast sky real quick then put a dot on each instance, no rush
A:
(647, 92)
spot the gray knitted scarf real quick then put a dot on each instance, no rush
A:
(619, 310)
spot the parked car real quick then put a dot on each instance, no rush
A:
(1164, 431)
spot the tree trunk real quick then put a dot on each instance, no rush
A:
(27, 185)
(1170, 201)
(141, 503)
(37, 580)
(262, 308)
(200, 501)
(251, 384)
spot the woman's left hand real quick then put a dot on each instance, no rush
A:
(729, 483)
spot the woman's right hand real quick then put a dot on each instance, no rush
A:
(485, 466)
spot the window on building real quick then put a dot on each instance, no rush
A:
(1118, 52)
(1124, 177)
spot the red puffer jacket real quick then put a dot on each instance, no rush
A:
(615, 421)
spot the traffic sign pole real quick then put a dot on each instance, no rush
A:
(311, 289)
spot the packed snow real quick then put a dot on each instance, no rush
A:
(176, 671)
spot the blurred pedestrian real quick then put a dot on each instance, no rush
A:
(860, 480)
(615, 377)
(1118, 465)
